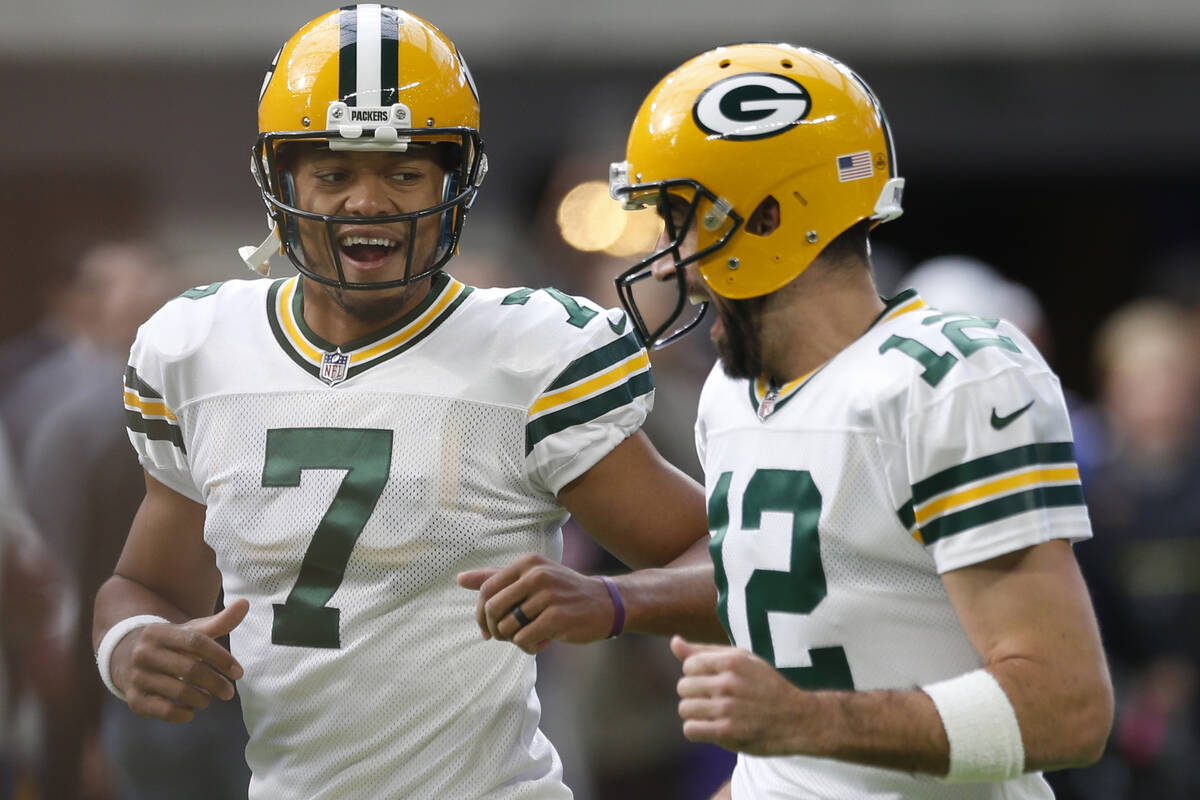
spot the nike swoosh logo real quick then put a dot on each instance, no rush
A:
(1000, 423)
(617, 327)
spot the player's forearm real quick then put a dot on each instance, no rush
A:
(1065, 710)
(1029, 615)
(1064, 716)
(120, 598)
(678, 598)
(892, 729)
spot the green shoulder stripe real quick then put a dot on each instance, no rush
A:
(596, 361)
(134, 381)
(1040, 497)
(639, 384)
(158, 430)
(1016, 458)
(197, 292)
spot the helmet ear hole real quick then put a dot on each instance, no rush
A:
(766, 219)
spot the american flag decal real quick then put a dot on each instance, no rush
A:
(855, 166)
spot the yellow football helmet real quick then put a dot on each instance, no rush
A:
(375, 78)
(734, 126)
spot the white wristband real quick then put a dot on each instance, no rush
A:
(981, 725)
(112, 638)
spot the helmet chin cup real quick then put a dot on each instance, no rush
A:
(258, 259)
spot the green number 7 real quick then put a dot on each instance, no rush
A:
(577, 315)
(303, 619)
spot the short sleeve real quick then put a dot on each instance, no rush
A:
(151, 422)
(992, 468)
(600, 396)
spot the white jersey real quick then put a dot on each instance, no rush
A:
(932, 442)
(345, 488)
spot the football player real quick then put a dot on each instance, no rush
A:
(892, 489)
(330, 450)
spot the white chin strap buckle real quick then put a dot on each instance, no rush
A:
(889, 205)
(258, 259)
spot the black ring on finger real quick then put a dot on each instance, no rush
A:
(520, 617)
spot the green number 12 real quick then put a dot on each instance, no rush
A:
(304, 619)
(938, 364)
(800, 589)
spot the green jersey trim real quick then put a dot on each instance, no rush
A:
(197, 292)
(587, 410)
(146, 412)
(992, 487)
(1040, 498)
(134, 383)
(308, 350)
(156, 430)
(987, 466)
(766, 398)
(596, 361)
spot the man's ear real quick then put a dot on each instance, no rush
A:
(765, 218)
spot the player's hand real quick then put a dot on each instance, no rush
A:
(733, 698)
(560, 603)
(169, 672)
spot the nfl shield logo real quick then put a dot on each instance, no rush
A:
(333, 367)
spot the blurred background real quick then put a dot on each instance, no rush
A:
(1052, 151)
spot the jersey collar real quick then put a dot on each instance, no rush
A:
(897, 305)
(333, 364)
(766, 397)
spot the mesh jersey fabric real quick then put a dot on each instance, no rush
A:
(345, 488)
(932, 442)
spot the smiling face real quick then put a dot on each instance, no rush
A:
(367, 185)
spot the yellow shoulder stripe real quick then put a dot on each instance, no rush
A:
(148, 408)
(603, 380)
(936, 507)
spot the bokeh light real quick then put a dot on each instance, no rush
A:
(590, 220)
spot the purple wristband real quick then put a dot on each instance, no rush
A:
(618, 607)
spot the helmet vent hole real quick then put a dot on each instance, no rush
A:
(800, 198)
(786, 63)
(725, 64)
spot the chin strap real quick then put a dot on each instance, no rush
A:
(258, 258)
(888, 207)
